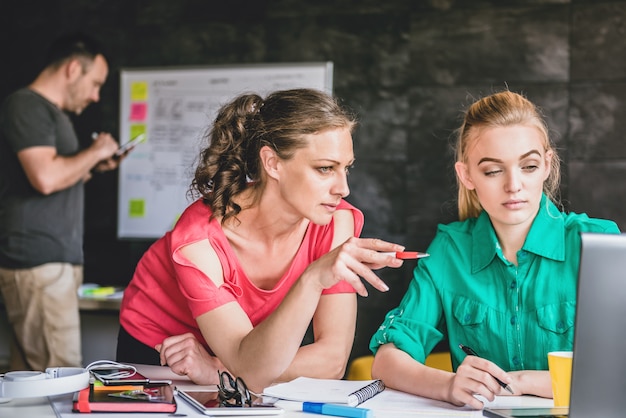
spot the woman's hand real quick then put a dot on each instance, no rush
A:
(187, 357)
(355, 259)
(532, 382)
(476, 376)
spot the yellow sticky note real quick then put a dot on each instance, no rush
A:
(139, 91)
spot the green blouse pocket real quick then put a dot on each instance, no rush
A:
(468, 312)
(557, 318)
(468, 325)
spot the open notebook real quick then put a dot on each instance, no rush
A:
(599, 366)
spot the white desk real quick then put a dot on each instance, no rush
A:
(396, 405)
(387, 404)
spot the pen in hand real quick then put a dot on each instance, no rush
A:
(467, 350)
(406, 255)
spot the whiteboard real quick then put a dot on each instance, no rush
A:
(173, 108)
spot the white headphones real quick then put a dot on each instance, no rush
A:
(55, 381)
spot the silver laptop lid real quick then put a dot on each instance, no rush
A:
(599, 367)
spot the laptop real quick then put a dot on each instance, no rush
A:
(599, 364)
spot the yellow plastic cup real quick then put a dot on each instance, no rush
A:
(560, 366)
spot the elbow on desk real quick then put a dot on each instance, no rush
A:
(338, 370)
(334, 367)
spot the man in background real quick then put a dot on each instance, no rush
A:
(42, 173)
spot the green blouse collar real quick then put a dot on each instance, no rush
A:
(546, 237)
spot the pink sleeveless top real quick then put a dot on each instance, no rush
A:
(167, 293)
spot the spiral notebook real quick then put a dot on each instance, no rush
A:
(307, 389)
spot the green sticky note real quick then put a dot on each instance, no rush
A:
(136, 208)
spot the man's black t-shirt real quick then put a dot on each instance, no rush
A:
(35, 228)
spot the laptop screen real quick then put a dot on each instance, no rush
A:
(599, 366)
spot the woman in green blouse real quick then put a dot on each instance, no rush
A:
(502, 280)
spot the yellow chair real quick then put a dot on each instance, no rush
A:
(361, 367)
(440, 360)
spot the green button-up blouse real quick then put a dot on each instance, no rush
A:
(511, 315)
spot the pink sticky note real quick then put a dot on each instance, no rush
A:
(138, 111)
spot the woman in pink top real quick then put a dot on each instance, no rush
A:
(269, 248)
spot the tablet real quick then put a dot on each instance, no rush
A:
(208, 403)
(560, 412)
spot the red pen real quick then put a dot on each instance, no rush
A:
(407, 255)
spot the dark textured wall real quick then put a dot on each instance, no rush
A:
(407, 67)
